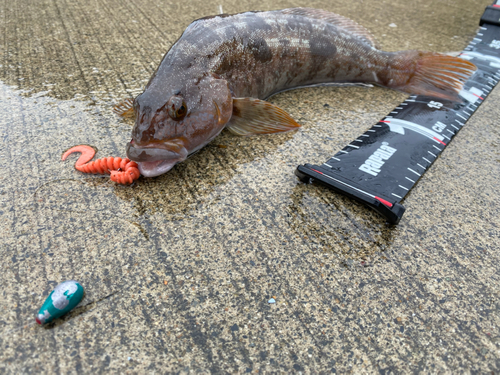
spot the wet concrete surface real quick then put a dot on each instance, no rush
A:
(179, 269)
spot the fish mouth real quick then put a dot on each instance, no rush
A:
(157, 158)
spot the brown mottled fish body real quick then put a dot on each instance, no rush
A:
(262, 53)
(221, 68)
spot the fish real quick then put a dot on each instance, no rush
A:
(221, 70)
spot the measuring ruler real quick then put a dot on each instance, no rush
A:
(381, 166)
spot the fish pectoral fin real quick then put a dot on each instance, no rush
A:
(254, 116)
(335, 19)
(125, 108)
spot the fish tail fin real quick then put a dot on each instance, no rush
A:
(429, 73)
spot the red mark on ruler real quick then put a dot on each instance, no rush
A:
(388, 204)
(440, 141)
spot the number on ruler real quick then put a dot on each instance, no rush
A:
(495, 44)
(436, 105)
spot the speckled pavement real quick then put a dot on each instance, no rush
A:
(179, 269)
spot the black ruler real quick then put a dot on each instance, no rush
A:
(381, 166)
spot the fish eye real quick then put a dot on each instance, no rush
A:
(176, 107)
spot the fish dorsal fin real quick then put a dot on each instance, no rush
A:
(255, 116)
(335, 19)
(125, 108)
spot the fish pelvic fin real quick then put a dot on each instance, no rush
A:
(254, 116)
(125, 108)
(429, 73)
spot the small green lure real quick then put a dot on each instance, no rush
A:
(63, 299)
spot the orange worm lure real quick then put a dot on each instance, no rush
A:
(122, 171)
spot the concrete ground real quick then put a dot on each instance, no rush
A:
(179, 269)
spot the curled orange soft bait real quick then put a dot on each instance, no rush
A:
(122, 171)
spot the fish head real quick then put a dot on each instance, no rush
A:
(174, 121)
